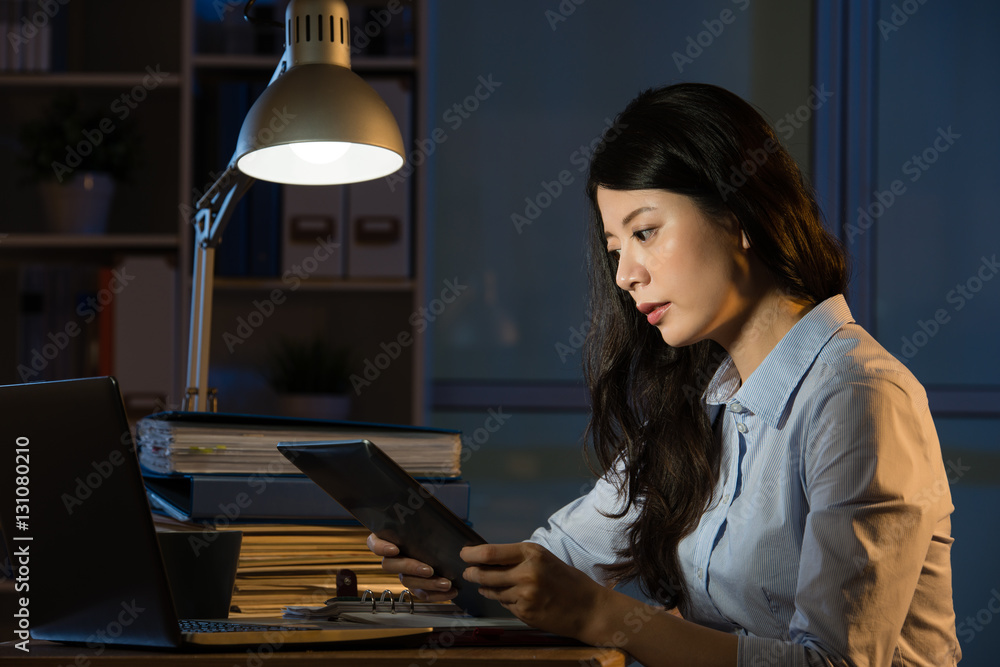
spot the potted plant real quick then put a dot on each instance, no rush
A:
(311, 378)
(76, 158)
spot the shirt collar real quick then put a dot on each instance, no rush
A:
(783, 368)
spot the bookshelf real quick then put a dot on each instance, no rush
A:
(194, 53)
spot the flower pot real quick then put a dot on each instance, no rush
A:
(315, 406)
(79, 205)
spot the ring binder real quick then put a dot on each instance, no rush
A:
(371, 609)
(387, 597)
(392, 604)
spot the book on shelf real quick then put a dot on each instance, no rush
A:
(252, 237)
(378, 228)
(263, 216)
(228, 101)
(210, 442)
(201, 496)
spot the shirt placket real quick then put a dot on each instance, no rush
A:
(715, 522)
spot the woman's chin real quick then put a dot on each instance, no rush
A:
(674, 338)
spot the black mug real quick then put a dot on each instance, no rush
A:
(201, 568)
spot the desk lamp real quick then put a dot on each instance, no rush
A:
(316, 123)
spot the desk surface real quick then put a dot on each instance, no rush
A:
(45, 653)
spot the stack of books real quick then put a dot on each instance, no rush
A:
(223, 471)
(211, 442)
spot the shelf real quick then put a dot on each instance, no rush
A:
(316, 284)
(124, 242)
(254, 62)
(86, 247)
(85, 79)
(182, 129)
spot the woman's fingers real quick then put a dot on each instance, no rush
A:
(380, 547)
(428, 595)
(391, 562)
(433, 584)
(489, 577)
(408, 566)
(416, 576)
(499, 554)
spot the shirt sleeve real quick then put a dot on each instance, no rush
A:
(876, 490)
(580, 534)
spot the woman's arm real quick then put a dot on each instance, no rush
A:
(583, 535)
(874, 576)
(546, 593)
(875, 543)
(580, 534)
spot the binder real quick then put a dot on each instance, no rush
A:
(312, 222)
(6, 51)
(231, 102)
(216, 442)
(368, 603)
(142, 342)
(403, 611)
(379, 211)
(271, 497)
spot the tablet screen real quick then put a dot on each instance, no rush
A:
(390, 503)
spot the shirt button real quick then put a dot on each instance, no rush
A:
(742, 428)
(725, 499)
(701, 573)
(736, 407)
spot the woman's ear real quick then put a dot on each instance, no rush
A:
(745, 240)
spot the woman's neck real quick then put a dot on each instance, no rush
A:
(765, 324)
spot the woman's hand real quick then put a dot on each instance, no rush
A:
(536, 586)
(416, 576)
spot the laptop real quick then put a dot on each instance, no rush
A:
(82, 542)
(386, 500)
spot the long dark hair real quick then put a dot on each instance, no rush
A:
(706, 143)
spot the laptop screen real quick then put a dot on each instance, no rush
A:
(77, 524)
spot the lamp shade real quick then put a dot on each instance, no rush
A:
(319, 124)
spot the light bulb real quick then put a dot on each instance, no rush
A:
(320, 152)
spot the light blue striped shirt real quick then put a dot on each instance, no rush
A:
(827, 541)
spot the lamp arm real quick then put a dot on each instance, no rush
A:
(212, 213)
(218, 203)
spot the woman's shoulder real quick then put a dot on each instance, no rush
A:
(853, 362)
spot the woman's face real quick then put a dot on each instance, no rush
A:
(687, 274)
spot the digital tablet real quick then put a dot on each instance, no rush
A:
(390, 503)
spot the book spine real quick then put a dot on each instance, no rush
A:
(378, 222)
(233, 252)
(6, 50)
(254, 498)
(106, 330)
(263, 220)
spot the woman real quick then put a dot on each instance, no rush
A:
(771, 475)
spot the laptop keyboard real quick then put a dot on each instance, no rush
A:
(190, 625)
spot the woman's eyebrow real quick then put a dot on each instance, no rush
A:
(644, 209)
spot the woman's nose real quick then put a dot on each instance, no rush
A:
(631, 272)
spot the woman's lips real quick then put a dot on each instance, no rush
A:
(654, 311)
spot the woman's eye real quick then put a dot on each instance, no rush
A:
(642, 234)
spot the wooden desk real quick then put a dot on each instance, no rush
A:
(45, 653)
